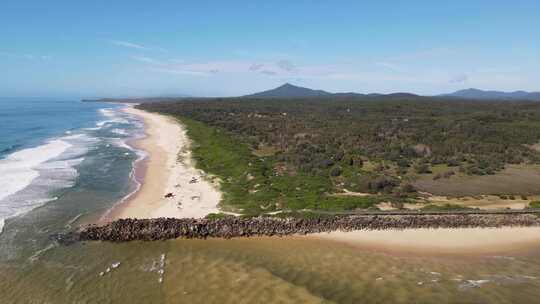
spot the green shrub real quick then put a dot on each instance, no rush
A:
(215, 216)
(445, 207)
(422, 168)
(534, 204)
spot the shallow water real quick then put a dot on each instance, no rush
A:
(265, 270)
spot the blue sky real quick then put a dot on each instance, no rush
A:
(227, 48)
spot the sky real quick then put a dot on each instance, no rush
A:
(228, 48)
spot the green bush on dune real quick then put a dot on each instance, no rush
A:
(534, 204)
(254, 185)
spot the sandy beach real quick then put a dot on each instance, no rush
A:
(167, 170)
(468, 241)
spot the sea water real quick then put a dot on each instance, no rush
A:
(52, 150)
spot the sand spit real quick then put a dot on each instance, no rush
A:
(479, 240)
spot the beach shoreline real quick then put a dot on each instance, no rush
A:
(166, 170)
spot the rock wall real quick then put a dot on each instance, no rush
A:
(229, 227)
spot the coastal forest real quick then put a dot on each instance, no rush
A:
(347, 153)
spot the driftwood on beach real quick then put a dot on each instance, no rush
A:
(229, 227)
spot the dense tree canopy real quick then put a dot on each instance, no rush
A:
(315, 134)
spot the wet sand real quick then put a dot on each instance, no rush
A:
(167, 169)
(468, 241)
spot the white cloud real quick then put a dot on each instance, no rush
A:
(136, 46)
(459, 79)
(286, 65)
(269, 73)
(194, 69)
(129, 44)
(256, 66)
(145, 59)
(279, 69)
(388, 65)
(25, 56)
(383, 75)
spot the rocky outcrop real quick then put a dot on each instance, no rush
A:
(229, 227)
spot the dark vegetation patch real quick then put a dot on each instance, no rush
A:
(445, 207)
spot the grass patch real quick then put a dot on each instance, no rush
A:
(216, 216)
(514, 180)
(249, 183)
(534, 204)
(445, 207)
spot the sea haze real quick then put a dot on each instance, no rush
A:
(44, 144)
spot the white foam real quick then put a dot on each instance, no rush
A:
(18, 169)
(107, 112)
(141, 155)
(121, 143)
(119, 131)
(29, 175)
(112, 117)
(92, 129)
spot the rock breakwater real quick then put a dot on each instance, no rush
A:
(170, 228)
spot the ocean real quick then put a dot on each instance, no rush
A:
(64, 163)
(52, 150)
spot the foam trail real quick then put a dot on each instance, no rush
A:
(112, 117)
(141, 155)
(119, 131)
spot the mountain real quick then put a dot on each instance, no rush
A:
(290, 91)
(481, 94)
